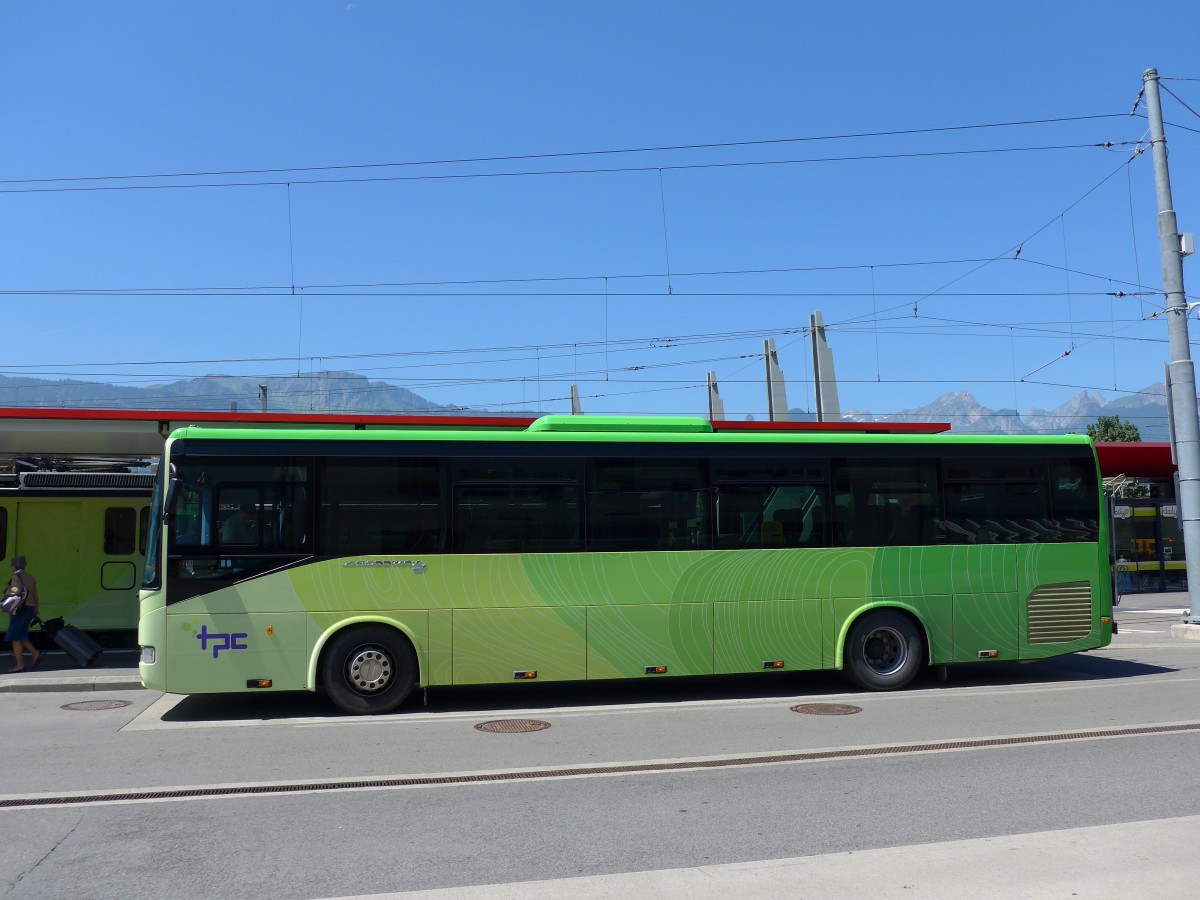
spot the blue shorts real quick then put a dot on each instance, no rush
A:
(18, 625)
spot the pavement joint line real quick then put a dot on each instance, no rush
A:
(68, 799)
(150, 719)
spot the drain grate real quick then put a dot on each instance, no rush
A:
(827, 709)
(86, 705)
(512, 726)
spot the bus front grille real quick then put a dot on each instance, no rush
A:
(1060, 612)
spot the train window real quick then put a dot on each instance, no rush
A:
(120, 530)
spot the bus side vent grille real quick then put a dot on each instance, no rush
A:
(1060, 612)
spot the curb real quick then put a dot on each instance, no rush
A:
(16, 684)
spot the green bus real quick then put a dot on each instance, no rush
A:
(365, 564)
(85, 535)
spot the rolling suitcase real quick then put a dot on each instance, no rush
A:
(79, 646)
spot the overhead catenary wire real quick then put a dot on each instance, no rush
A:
(508, 295)
(689, 385)
(542, 173)
(875, 316)
(895, 325)
(1175, 124)
(368, 288)
(407, 371)
(1181, 101)
(1016, 247)
(719, 145)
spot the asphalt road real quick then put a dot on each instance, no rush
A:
(700, 788)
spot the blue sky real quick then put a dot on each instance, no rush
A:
(494, 284)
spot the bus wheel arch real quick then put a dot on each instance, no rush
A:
(368, 668)
(884, 650)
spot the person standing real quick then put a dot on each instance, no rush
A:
(240, 527)
(18, 625)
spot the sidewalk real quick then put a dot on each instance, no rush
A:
(1106, 862)
(115, 670)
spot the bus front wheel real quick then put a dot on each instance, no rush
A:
(884, 651)
(368, 669)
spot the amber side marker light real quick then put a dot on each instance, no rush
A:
(1106, 620)
(522, 676)
(270, 630)
(773, 664)
(656, 670)
(258, 683)
(988, 654)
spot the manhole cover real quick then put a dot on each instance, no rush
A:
(98, 704)
(827, 709)
(512, 726)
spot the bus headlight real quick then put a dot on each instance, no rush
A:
(147, 656)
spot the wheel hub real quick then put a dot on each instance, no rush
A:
(369, 670)
(884, 651)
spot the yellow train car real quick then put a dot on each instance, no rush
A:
(84, 536)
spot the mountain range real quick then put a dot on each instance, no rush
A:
(345, 392)
(1147, 409)
(353, 393)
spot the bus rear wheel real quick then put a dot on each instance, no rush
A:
(884, 651)
(368, 669)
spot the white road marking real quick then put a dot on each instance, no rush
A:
(1155, 612)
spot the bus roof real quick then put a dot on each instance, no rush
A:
(637, 429)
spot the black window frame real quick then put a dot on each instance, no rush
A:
(712, 461)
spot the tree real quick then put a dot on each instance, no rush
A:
(1111, 428)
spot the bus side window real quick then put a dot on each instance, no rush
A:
(779, 511)
(389, 505)
(1074, 497)
(885, 502)
(647, 504)
(996, 500)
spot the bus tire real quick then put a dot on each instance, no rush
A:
(368, 669)
(884, 651)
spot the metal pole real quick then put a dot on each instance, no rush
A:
(814, 339)
(1182, 373)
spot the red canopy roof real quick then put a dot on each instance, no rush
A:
(1147, 459)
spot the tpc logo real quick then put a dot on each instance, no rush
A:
(221, 641)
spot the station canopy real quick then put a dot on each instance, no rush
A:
(85, 437)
